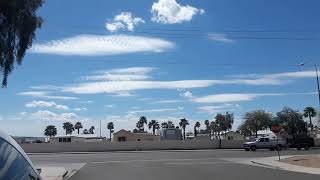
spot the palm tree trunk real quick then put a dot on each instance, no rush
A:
(154, 130)
(184, 133)
(311, 126)
(78, 131)
(110, 135)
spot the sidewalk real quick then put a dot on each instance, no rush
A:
(52, 173)
(297, 163)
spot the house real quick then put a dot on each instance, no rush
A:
(83, 138)
(124, 135)
(171, 134)
(231, 135)
(22, 139)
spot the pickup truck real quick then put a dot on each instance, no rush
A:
(265, 143)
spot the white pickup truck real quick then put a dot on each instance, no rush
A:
(265, 143)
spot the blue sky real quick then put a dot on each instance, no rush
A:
(167, 59)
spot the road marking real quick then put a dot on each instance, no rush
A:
(199, 163)
(154, 160)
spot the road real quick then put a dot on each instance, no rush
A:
(186, 165)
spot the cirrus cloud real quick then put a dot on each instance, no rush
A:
(102, 45)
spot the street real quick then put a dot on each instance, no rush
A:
(187, 165)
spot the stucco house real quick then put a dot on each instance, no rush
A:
(124, 135)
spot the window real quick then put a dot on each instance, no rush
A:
(120, 139)
(261, 140)
(60, 139)
(69, 139)
(230, 137)
(13, 165)
(266, 139)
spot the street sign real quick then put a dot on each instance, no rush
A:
(275, 129)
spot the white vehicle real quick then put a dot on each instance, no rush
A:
(14, 163)
(265, 143)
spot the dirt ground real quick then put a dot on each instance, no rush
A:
(306, 161)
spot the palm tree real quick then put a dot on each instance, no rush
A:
(170, 124)
(50, 131)
(164, 125)
(91, 130)
(154, 125)
(183, 124)
(141, 122)
(310, 112)
(207, 123)
(196, 126)
(68, 127)
(78, 126)
(214, 128)
(110, 126)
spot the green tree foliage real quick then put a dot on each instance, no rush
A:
(50, 131)
(91, 130)
(78, 126)
(196, 127)
(110, 126)
(254, 121)
(168, 124)
(140, 124)
(224, 122)
(292, 121)
(183, 124)
(18, 23)
(154, 125)
(207, 124)
(310, 112)
(68, 127)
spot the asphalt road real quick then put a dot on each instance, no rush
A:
(159, 165)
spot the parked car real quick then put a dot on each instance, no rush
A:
(14, 163)
(265, 143)
(301, 142)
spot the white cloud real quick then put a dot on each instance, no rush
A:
(80, 109)
(45, 95)
(238, 97)
(109, 106)
(220, 37)
(125, 86)
(170, 12)
(48, 115)
(40, 104)
(123, 21)
(153, 110)
(62, 107)
(217, 108)
(123, 74)
(186, 94)
(102, 45)
(165, 101)
(35, 104)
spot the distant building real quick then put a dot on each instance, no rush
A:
(76, 138)
(21, 139)
(124, 135)
(171, 134)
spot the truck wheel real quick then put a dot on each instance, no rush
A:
(253, 148)
(272, 149)
(279, 147)
(247, 149)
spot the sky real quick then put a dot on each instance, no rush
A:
(163, 59)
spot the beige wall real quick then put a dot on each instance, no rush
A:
(135, 136)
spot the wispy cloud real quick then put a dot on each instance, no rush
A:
(166, 101)
(217, 108)
(102, 45)
(238, 97)
(48, 115)
(45, 95)
(220, 37)
(123, 74)
(80, 109)
(170, 12)
(123, 21)
(154, 110)
(35, 104)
